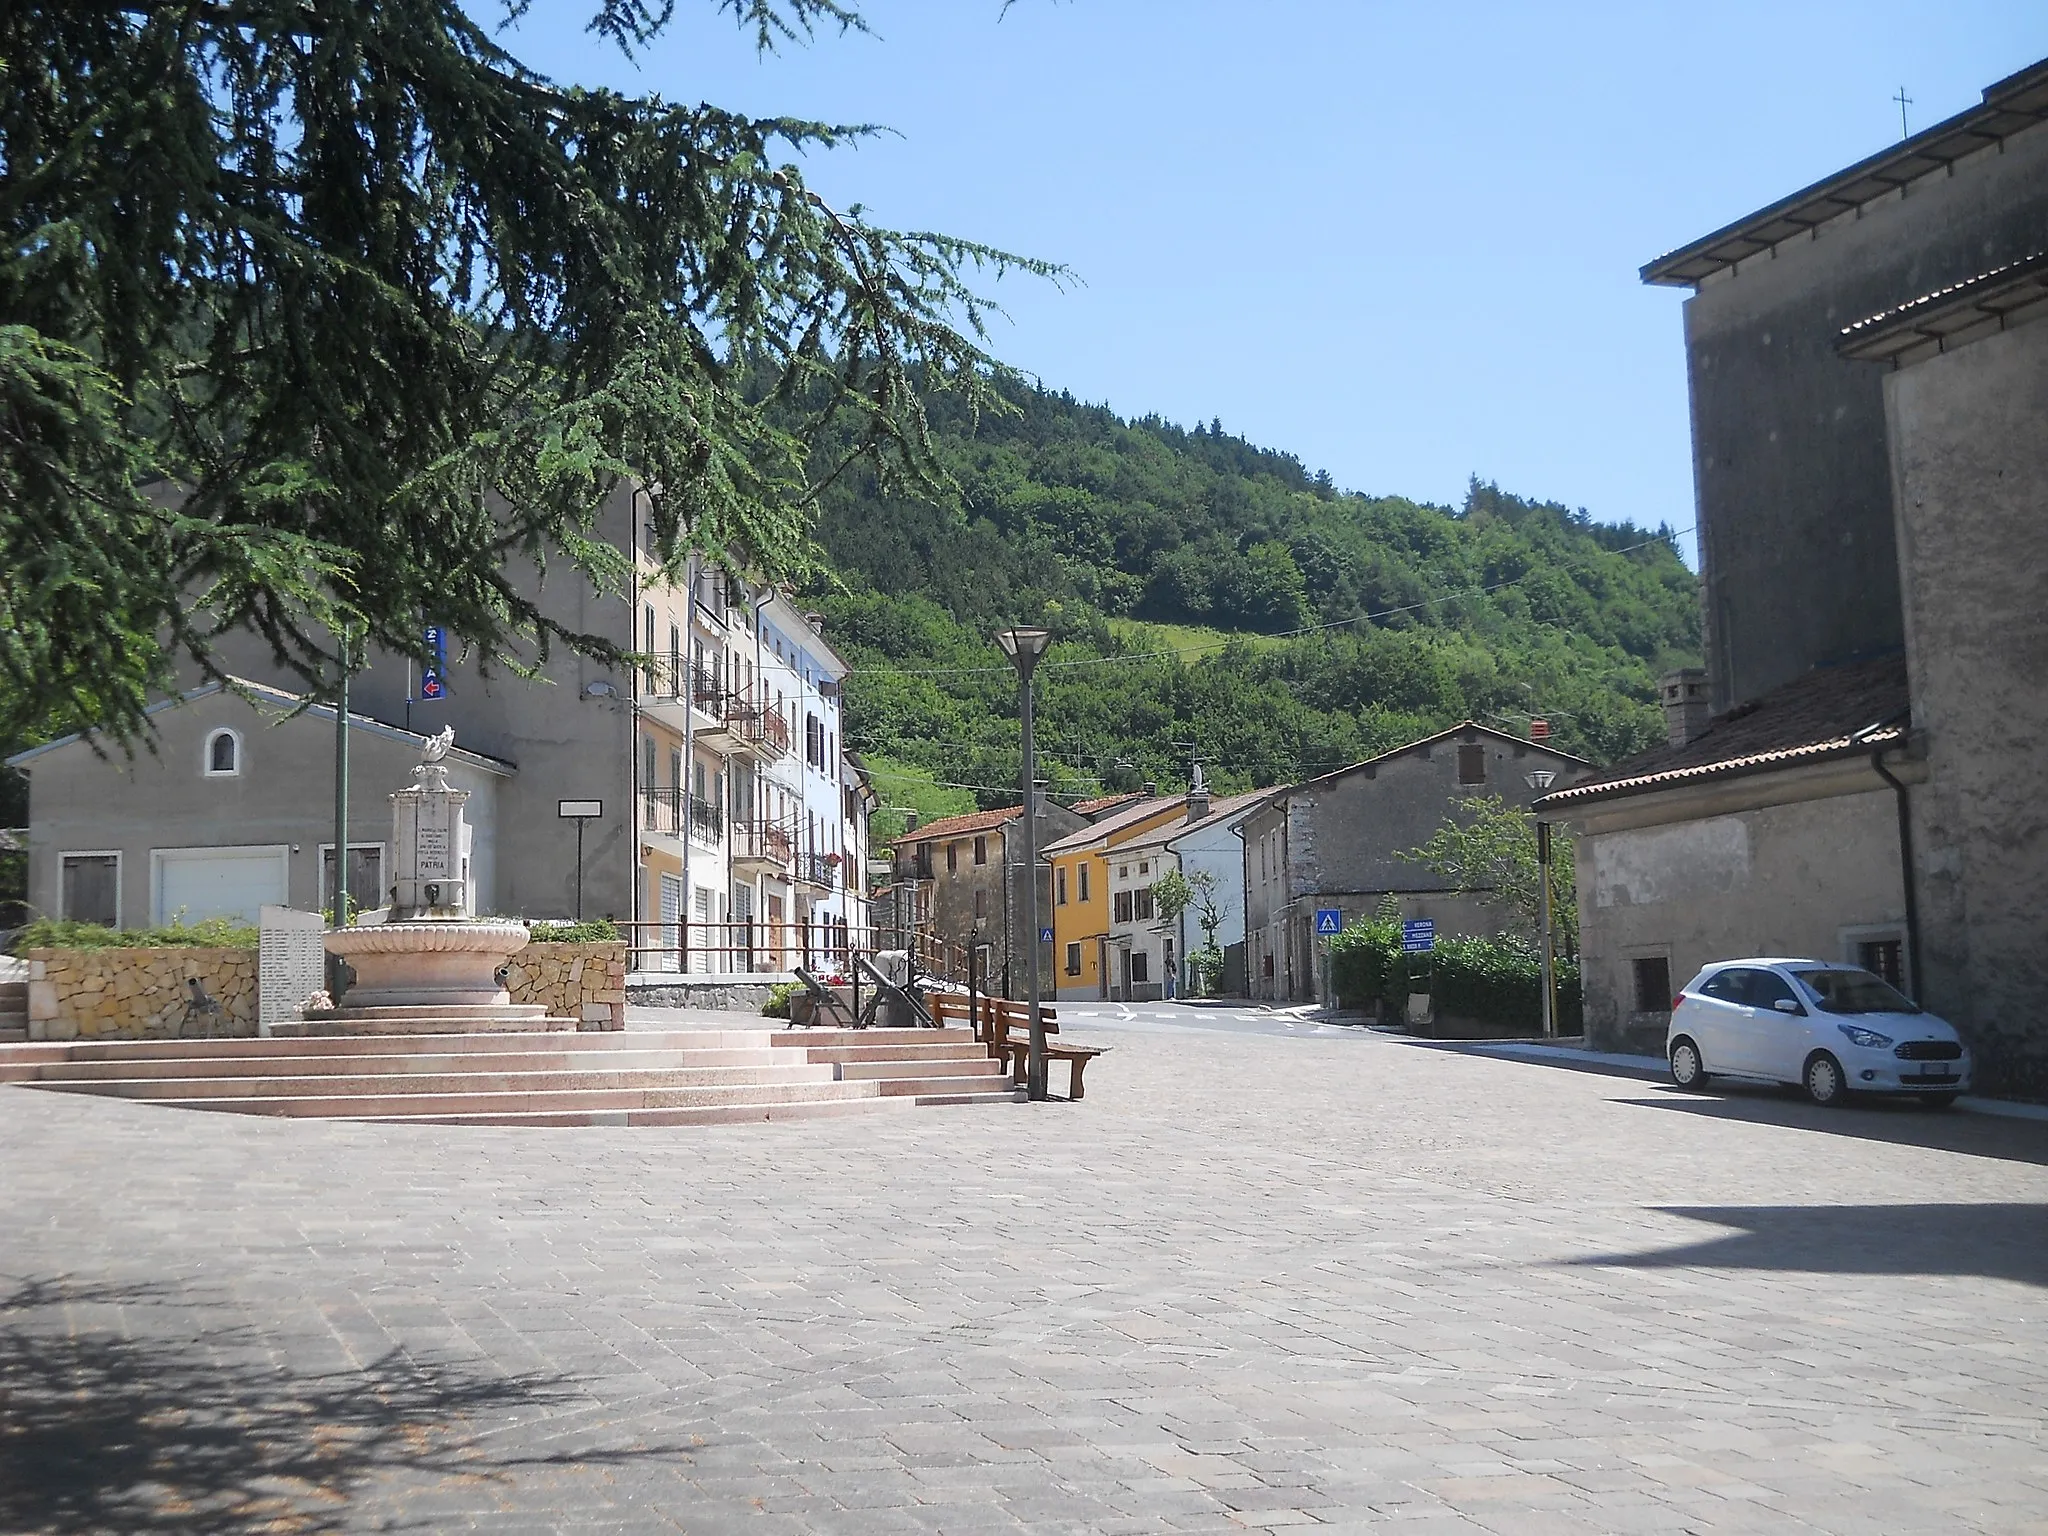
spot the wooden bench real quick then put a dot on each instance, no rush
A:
(1005, 1028)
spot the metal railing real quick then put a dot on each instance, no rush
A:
(762, 727)
(765, 842)
(819, 869)
(675, 810)
(825, 947)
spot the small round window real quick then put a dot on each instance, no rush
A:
(223, 754)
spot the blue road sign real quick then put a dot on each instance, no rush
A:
(1045, 935)
(1418, 936)
(1329, 920)
(433, 679)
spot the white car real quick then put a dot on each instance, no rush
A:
(1833, 1029)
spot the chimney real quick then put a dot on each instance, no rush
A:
(1151, 790)
(910, 821)
(1686, 708)
(1198, 797)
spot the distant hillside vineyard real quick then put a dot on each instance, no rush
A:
(1213, 600)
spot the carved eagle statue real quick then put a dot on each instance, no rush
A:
(437, 745)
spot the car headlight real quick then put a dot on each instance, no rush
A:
(1858, 1035)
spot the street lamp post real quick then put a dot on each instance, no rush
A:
(1024, 645)
(1540, 780)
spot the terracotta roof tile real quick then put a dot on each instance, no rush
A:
(1221, 809)
(1096, 831)
(958, 826)
(1103, 803)
(1831, 711)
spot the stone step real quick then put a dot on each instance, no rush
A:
(439, 1022)
(963, 1050)
(380, 1045)
(972, 1066)
(714, 1114)
(10, 1034)
(573, 1100)
(58, 1069)
(467, 1080)
(921, 1088)
(830, 1037)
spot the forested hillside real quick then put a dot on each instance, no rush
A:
(1213, 599)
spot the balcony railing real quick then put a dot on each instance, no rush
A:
(763, 728)
(825, 947)
(673, 810)
(763, 842)
(819, 869)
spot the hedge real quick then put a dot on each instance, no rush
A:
(1493, 980)
(58, 933)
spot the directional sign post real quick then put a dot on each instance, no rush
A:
(1329, 923)
(1418, 936)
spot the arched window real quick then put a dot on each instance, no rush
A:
(223, 754)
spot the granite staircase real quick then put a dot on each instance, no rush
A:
(13, 1011)
(633, 1077)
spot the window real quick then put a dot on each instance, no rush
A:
(981, 903)
(1472, 763)
(1120, 905)
(1653, 985)
(1145, 868)
(1084, 882)
(1142, 901)
(1140, 965)
(952, 858)
(814, 741)
(223, 754)
(1059, 886)
(981, 850)
(1073, 959)
(1767, 989)
(650, 648)
(365, 875)
(92, 888)
(1884, 958)
(1123, 871)
(1724, 986)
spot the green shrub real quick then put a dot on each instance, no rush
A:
(777, 1004)
(214, 933)
(598, 930)
(1496, 981)
(1365, 965)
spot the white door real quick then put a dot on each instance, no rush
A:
(194, 884)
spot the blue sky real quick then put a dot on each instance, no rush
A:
(1397, 240)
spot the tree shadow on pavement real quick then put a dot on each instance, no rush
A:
(203, 1431)
(1993, 1242)
(1902, 1124)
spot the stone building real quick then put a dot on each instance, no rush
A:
(1336, 841)
(960, 881)
(1869, 392)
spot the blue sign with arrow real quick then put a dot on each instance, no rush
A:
(1418, 936)
(433, 677)
(1329, 920)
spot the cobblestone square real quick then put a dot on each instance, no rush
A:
(1252, 1283)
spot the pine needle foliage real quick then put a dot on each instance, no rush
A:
(313, 315)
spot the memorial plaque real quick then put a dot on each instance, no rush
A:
(291, 961)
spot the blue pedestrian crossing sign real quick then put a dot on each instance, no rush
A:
(1418, 936)
(1045, 935)
(1329, 920)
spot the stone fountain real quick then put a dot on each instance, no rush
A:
(430, 966)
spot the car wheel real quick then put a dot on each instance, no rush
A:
(1937, 1100)
(1825, 1082)
(1687, 1070)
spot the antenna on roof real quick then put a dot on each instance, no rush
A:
(1904, 102)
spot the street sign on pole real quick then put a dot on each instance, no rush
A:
(1329, 920)
(1045, 935)
(1418, 936)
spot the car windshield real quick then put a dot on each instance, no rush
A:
(1855, 992)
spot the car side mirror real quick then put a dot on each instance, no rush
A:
(1787, 1005)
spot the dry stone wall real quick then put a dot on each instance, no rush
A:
(585, 982)
(139, 994)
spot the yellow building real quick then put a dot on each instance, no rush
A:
(1080, 893)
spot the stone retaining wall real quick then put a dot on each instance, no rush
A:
(661, 989)
(586, 982)
(138, 994)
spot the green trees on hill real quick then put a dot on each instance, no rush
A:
(1346, 624)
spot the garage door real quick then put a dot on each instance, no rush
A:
(193, 884)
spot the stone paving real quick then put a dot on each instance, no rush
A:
(1250, 1283)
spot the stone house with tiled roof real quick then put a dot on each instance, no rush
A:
(1862, 770)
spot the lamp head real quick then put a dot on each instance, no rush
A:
(1023, 644)
(1540, 779)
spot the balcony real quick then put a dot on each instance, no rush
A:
(762, 730)
(818, 869)
(684, 697)
(675, 812)
(762, 847)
